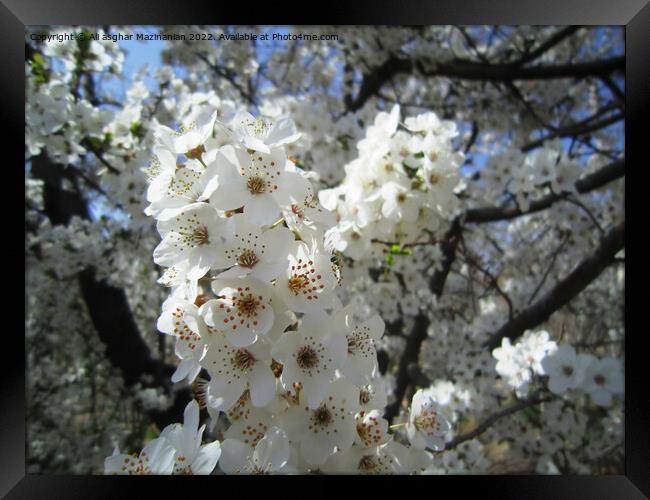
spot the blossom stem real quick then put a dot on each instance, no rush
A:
(277, 223)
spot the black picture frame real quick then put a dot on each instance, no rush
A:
(633, 14)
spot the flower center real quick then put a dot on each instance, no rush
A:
(195, 153)
(427, 420)
(433, 156)
(599, 379)
(367, 463)
(306, 358)
(353, 344)
(257, 127)
(297, 282)
(247, 259)
(297, 211)
(247, 305)
(243, 359)
(434, 179)
(256, 185)
(401, 197)
(364, 396)
(200, 236)
(276, 368)
(567, 370)
(355, 236)
(322, 416)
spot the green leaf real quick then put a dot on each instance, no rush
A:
(38, 59)
(95, 142)
(150, 433)
(137, 130)
(411, 172)
(419, 155)
(108, 137)
(531, 413)
(39, 70)
(398, 250)
(390, 259)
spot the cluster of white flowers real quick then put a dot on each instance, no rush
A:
(178, 450)
(324, 144)
(601, 378)
(536, 354)
(526, 176)
(401, 184)
(56, 118)
(253, 303)
(517, 364)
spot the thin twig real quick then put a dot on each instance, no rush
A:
(489, 421)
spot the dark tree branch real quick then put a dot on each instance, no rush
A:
(448, 247)
(616, 91)
(472, 138)
(419, 332)
(107, 305)
(586, 272)
(410, 355)
(493, 281)
(111, 315)
(589, 213)
(548, 271)
(551, 42)
(100, 155)
(580, 128)
(472, 44)
(489, 421)
(471, 70)
(229, 76)
(600, 178)
(527, 105)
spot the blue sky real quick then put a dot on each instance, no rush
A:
(137, 55)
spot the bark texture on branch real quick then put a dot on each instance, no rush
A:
(470, 70)
(565, 290)
(419, 332)
(598, 179)
(107, 305)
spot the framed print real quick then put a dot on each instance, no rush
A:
(389, 242)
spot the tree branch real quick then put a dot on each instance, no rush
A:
(108, 306)
(230, 78)
(471, 70)
(551, 42)
(489, 421)
(586, 272)
(111, 315)
(419, 332)
(600, 178)
(580, 128)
